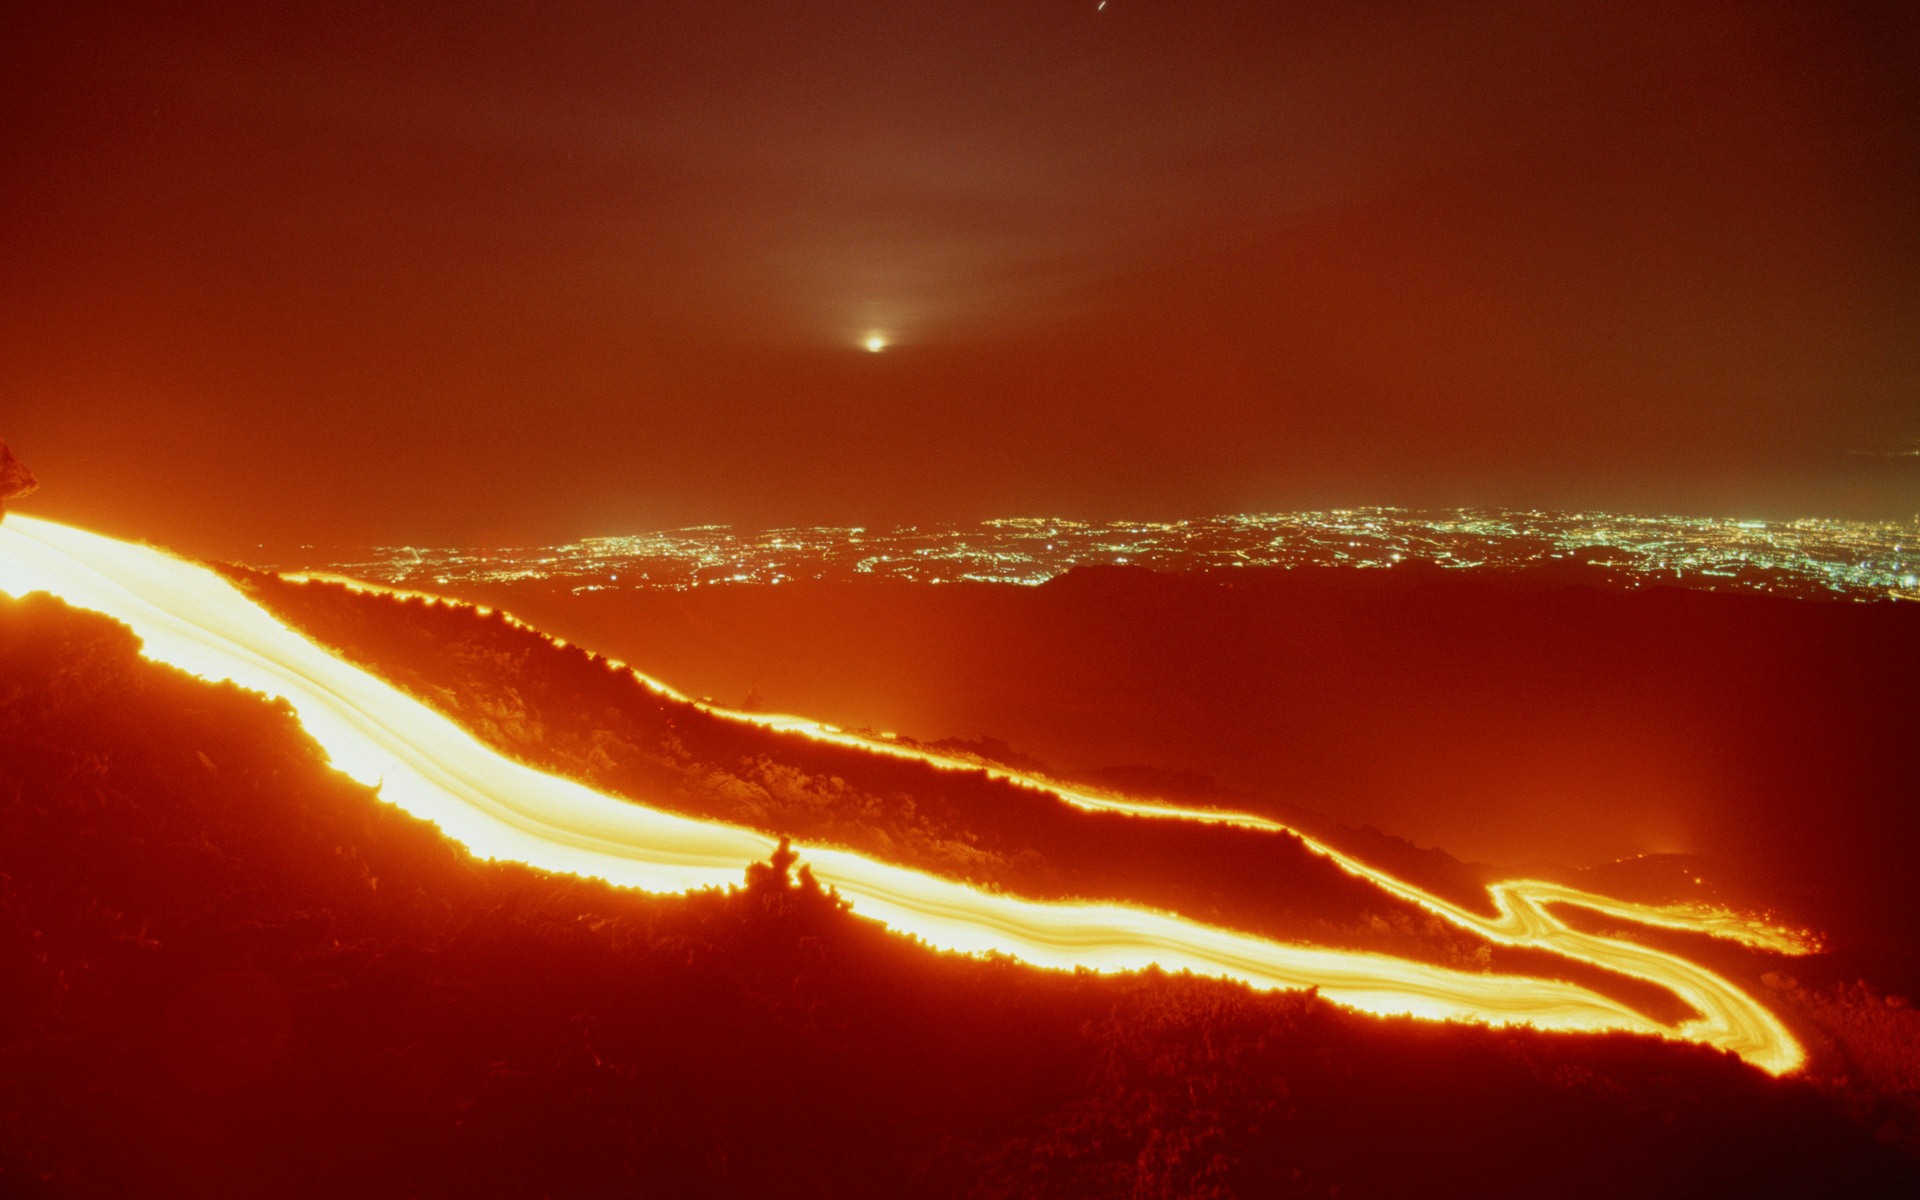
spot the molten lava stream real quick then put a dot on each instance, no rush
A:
(192, 619)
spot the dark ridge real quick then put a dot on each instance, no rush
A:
(566, 710)
(1510, 719)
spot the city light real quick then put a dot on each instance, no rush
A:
(1808, 558)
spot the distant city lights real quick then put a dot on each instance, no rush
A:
(1850, 560)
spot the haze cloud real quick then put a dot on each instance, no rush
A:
(1165, 261)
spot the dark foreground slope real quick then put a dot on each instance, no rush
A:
(226, 971)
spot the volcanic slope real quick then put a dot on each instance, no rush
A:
(545, 702)
(230, 970)
(563, 709)
(1513, 719)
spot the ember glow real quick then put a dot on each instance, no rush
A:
(190, 618)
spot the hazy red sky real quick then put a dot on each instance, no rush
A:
(295, 272)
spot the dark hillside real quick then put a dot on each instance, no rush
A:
(1509, 719)
(226, 971)
(566, 710)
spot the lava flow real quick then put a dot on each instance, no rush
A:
(192, 619)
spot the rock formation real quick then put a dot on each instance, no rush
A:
(15, 479)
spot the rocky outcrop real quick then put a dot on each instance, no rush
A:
(15, 480)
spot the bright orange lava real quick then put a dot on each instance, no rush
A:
(191, 618)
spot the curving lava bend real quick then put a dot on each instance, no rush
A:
(191, 618)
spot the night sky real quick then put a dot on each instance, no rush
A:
(493, 272)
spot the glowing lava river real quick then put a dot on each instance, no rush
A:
(191, 618)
